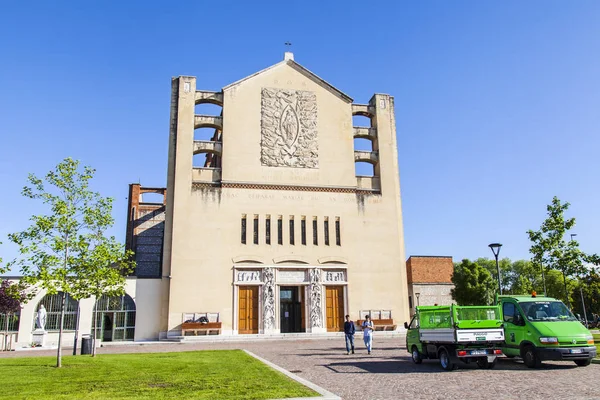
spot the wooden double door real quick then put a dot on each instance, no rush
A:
(334, 308)
(247, 309)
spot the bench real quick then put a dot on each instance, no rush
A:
(378, 324)
(191, 323)
(209, 328)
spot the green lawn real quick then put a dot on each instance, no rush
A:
(597, 341)
(230, 374)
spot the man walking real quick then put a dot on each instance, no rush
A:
(368, 333)
(349, 330)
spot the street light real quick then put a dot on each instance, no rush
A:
(417, 294)
(496, 250)
(581, 292)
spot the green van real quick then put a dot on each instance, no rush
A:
(543, 328)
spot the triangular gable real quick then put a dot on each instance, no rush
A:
(310, 75)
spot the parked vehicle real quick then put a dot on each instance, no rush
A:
(543, 328)
(455, 334)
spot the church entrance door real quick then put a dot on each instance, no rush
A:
(248, 309)
(290, 309)
(334, 298)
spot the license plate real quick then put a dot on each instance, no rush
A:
(478, 352)
(480, 338)
(576, 351)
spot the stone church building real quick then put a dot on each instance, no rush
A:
(265, 226)
(275, 232)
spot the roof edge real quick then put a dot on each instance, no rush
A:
(300, 69)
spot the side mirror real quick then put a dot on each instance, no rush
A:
(406, 325)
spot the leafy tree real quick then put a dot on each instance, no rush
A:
(550, 250)
(505, 270)
(525, 278)
(67, 250)
(555, 285)
(473, 284)
(589, 284)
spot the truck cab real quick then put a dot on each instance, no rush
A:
(543, 328)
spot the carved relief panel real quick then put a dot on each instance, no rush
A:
(334, 276)
(289, 128)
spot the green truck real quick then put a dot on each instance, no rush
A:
(543, 328)
(456, 334)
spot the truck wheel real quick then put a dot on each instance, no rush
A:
(445, 362)
(583, 363)
(416, 356)
(530, 358)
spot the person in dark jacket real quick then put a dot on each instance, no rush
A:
(349, 330)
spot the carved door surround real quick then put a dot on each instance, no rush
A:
(318, 281)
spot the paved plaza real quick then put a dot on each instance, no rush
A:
(390, 374)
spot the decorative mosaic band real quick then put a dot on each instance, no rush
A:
(197, 185)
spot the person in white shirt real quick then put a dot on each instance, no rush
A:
(368, 333)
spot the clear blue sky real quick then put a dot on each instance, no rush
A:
(497, 102)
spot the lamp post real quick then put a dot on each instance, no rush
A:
(496, 250)
(581, 292)
(417, 294)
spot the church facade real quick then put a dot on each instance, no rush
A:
(265, 227)
(273, 231)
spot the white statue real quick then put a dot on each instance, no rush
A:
(40, 321)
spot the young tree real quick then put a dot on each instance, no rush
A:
(473, 284)
(550, 249)
(12, 295)
(67, 250)
(556, 286)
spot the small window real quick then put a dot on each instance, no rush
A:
(338, 240)
(279, 230)
(244, 229)
(268, 229)
(326, 228)
(315, 233)
(292, 240)
(255, 237)
(303, 230)
(410, 305)
(508, 310)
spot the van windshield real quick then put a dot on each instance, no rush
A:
(547, 311)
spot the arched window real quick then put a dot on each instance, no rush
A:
(115, 318)
(52, 304)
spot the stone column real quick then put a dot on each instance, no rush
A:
(316, 311)
(268, 300)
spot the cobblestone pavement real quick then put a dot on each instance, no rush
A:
(390, 374)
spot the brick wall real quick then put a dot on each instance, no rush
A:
(145, 231)
(429, 269)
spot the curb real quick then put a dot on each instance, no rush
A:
(325, 395)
